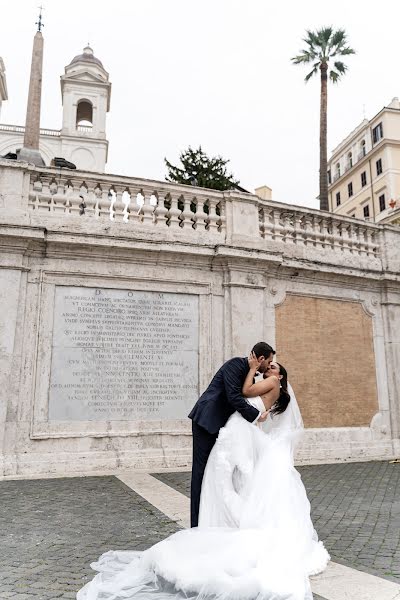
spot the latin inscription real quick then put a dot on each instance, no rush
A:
(123, 355)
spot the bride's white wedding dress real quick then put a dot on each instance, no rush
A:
(255, 538)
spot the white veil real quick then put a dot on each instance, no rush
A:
(287, 425)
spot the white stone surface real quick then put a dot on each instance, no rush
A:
(343, 583)
(170, 502)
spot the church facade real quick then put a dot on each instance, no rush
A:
(86, 93)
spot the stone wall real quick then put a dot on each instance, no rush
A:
(120, 297)
(327, 347)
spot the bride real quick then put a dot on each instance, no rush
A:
(255, 538)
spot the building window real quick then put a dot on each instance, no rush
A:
(84, 115)
(382, 202)
(329, 177)
(350, 188)
(349, 160)
(377, 133)
(363, 179)
(366, 211)
(363, 149)
(338, 199)
(379, 166)
(337, 170)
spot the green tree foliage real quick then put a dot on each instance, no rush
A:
(202, 170)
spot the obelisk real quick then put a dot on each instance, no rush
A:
(30, 150)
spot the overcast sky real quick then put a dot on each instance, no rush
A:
(211, 72)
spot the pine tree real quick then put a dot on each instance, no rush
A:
(202, 170)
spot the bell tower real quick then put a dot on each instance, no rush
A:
(86, 93)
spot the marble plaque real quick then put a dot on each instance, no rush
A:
(123, 355)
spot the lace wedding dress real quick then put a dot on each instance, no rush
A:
(255, 538)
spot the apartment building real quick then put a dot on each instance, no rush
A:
(364, 169)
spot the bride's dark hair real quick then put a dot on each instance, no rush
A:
(284, 398)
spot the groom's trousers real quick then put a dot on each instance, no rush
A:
(203, 442)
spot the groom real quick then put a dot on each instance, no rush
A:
(212, 410)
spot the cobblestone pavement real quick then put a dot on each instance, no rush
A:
(355, 509)
(50, 530)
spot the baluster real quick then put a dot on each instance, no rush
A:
(102, 206)
(34, 194)
(173, 212)
(267, 225)
(148, 209)
(160, 212)
(317, 229)
(132, 209)
(220, 210)
(67, 198)
(336, 235)
(277, 229)
(284, 226)
(261, 221)
(212, 215)
(91, 202)
(200, 216)
(297, 231)
(111, 201)
(187, 214)
(59, 199)
(97, 201)
(74, 200)
(361, 239)
(290, 230)
(357, 239)
(352, 238)
(118, 206)
(369, 245)
(105, 205)
(126, 200)
(308, 231)
(53, 191)
(83, 199)
(324, 233)
(45, 198)
(139, 199)
(345, 237)
(375, 242)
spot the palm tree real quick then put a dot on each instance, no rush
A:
(323, 46)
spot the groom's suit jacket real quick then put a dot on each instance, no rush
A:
(223, 397)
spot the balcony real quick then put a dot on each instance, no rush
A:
(349, 166)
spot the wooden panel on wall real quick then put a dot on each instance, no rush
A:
(327, 348)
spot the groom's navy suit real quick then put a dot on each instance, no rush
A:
(212, 410)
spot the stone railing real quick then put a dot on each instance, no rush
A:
(315, 229)
(85, 128)
(126, 200)
(94, 202)
(21, 129)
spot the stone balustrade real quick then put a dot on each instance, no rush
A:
(126, 200)
(21, 129)
(316, 229)
(175, 212)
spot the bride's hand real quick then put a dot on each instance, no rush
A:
(254, 362)
(263, 417)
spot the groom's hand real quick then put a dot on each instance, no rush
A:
(263, 417)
